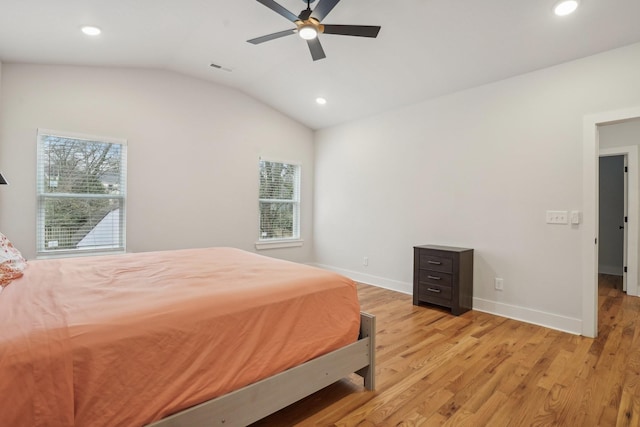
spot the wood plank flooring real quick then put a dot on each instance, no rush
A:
(435, 369)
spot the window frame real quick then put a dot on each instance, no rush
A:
(41, 196)
(286, 242)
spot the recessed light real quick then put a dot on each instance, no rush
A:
(91, 31)
(565, 7)
(321, 101)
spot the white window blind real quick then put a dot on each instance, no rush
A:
(279, 201)
(81, 187)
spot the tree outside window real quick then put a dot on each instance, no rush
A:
(279, 201)
(81, 194)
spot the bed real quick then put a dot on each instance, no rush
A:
(213, 336)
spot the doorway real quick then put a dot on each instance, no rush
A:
(590, 224)
(612, 215)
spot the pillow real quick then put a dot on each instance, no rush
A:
(12, 263)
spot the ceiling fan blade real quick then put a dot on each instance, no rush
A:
(323, 8)
(271, 4)
(317, 52)
(273, 36)
(353, 30)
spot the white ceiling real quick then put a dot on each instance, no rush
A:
(426, 48)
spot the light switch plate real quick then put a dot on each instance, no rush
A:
(557, 217)
(575, 217)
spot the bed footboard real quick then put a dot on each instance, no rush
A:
(368, 330)
(258, 400)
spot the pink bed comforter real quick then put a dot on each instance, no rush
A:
(130, 339)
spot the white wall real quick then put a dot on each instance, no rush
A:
(620, 134)
(1, 158)
(193, 150)
(477, 169)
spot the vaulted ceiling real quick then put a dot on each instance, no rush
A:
(426, 48)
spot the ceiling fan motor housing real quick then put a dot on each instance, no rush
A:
(310, 23)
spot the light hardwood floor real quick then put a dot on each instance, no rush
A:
(435, 369)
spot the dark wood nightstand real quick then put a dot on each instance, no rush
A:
(443, 275)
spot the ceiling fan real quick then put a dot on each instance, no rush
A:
(308, 25)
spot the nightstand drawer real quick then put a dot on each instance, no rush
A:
(435, 278)
(442, 293)
(436, 263)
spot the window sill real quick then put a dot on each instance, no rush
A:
(76, 254)
(278, 244)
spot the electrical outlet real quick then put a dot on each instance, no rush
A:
(499, 284)
(365, 261)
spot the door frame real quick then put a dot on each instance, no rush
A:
(590, 156)
(630, 154)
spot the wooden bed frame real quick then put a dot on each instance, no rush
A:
(256, 401)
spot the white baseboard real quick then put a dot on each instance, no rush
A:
(381, 282)
(528, 315)
(523, 314)
(610, 269)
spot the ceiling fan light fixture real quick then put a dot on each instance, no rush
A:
(308, 32)
(565, 7)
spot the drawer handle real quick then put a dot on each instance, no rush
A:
(434, 277)
(437, 291)
(434, 262)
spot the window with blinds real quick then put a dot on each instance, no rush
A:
(81, 188)
(279, 201)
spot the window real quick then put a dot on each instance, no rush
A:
(279, 201)
(81, 190)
